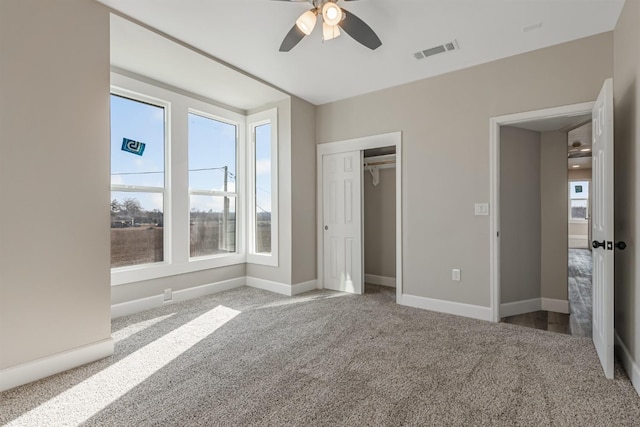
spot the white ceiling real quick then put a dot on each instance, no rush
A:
(138, 50)
(552, 124)
(578, 130)
(248, 33)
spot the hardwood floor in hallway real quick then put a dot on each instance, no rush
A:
(544, 320)
(578, 323)
(580, 294)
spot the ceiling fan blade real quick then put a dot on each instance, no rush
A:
(359, 30)
(292, 38)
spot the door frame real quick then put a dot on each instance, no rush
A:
(360, 144)
(494, 197)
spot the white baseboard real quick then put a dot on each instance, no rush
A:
(41, 368)
(450, 307)
(155, 301)
(380, 280)
(578, 241)
(211, 288)
(142, 304)
(555, 305)
(520, 307)
(268, 285)
(300, 288)
(632, 368)
(579, 236)
(136, 306)
(535, 304)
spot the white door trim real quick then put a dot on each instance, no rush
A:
(363, 143)
(494, 131)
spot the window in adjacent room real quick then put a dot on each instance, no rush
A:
(578, 200)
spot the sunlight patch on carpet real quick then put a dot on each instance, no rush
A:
(81, 402)
(298, 300)
(130, 330)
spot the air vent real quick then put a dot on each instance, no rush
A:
(447, 47)
(434, 51)
(450, 46)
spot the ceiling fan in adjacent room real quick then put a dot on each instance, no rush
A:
(578, 150)
(334, 18)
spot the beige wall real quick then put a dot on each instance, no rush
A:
(579, 174)
(627, 176)
(54, 178)
(553, 217)
(519, 214)
(146, 288)
(533, 215)
(445, 130)
(380, 224)
(578, 228)
(303, 191)
(297, 260)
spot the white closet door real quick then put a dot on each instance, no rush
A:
(342, 216)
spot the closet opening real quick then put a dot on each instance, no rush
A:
(348, 202)
(379, 219)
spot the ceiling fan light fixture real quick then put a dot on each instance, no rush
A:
(307, 21)
(329, 31)
(331, 13)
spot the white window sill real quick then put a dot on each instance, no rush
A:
(263, 259)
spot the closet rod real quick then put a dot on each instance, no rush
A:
(385, 162)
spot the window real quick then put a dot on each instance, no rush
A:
(578, 200)
(185, 185)
(213, 185)
(262, 188)
(263, 164)
(138, 140)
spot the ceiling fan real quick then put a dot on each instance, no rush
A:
(333, 18)
(577, 151)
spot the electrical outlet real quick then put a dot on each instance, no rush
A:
(455, 274)
(168, 296)
(482, 209)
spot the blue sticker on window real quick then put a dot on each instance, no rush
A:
(578, 188)
(131, 146)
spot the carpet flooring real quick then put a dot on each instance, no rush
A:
(250, 357)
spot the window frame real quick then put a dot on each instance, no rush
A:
(176, 204)
(237, 194)
(165, 190)
(253, 121)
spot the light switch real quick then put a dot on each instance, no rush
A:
(482, 209)
(455, 274)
